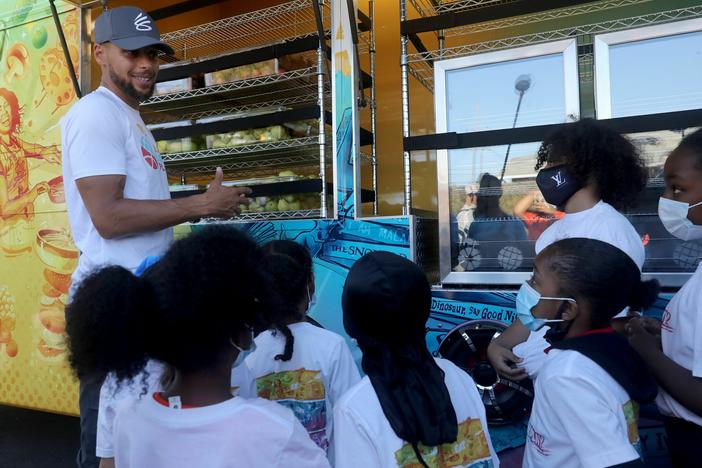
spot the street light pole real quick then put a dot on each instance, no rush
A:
(521, 85)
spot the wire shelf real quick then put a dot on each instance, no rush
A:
(296, 152)
(548, 15)
(419, 62)
(428, 8)
(264, 216)
(279, 23)
(268, 91)
(272, 25)
(245, 110)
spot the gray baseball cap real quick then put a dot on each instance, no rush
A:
(129, 28)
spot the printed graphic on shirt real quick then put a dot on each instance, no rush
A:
(300, 384)
(303, 392)
(470, 449)
(538, 441)
(313, 417)
(631, 414)
(151, 155)
(665, 321)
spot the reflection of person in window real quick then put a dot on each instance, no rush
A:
(16, 195)
(536, 213)
(492, 227)
(466, 214)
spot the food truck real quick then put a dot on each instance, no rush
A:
(352, 145)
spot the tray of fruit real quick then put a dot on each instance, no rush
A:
(243, 72)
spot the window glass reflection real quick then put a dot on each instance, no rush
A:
(656, 75)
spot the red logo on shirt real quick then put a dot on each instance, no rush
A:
(665, 321)
(537, 440)
(151, 160)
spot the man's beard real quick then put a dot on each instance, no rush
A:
(127, 88)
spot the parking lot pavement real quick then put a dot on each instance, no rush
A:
(33, 439)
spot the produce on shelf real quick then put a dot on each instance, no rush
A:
(303, 128)
(174, 86)
(243, 72)
(180, 145)
(245, 137)
(296, 202)
(299, 201)
(298, 60)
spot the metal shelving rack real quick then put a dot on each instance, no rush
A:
(456, 21)
(303, 93)
(249, 158)
(269, 91)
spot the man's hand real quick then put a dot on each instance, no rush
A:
(644, 334)
(501, 359)
(225, 202)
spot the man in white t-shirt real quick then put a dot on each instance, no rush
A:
(119, 206)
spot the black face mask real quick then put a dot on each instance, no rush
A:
(557, 184)
(558, 331)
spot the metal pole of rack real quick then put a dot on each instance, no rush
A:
(321, 62)
(406, 159)
(373, 108)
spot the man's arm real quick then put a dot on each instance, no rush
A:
(115, 216)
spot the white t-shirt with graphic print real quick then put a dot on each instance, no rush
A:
(681, 337)
(363, 435)
(320, 371)
(581, 416)
(236, 433)
(102, 135)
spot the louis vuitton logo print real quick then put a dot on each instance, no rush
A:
(558, 179)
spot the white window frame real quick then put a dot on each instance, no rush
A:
(568, 48)
(603, 90)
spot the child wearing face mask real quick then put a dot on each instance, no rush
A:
(589, 172)
(673, 348)
(301, 366)
(587, 394)
(193, 311)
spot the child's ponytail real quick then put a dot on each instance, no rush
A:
(108, 324)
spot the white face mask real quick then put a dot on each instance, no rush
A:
(243, 353)
(673, 215)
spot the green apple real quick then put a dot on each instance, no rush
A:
(39, 36)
